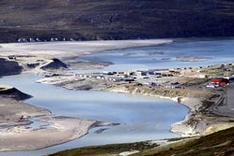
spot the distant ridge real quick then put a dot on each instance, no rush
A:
(43, 20)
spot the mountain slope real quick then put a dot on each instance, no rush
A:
(111, 19)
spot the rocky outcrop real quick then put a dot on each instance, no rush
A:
(11, 92)
(54, 64)
(9, 67)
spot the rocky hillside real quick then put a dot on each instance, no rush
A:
(39, 20)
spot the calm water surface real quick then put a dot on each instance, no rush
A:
(213, 51)
(140, 118)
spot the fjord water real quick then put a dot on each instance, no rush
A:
(200, 51)
(140, 118)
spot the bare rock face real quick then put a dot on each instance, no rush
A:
(13, 93)
(9, 67)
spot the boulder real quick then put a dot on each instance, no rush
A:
(54, 64)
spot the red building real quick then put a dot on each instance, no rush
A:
(220, 81)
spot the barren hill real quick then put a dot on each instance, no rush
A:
(112, 19)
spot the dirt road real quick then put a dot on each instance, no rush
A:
(227, 109)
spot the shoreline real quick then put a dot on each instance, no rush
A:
(181, 127)
(26, 127)
(195, 122)
(25, 55)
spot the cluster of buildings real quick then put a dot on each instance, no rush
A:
(149, 77)
(53, 39)
(133, 74)
(139, 77)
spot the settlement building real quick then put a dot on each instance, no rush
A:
(220, 81)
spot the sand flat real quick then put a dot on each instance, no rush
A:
(59, 130)
(69, 49)
(16, 132)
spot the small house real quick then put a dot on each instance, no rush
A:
(107, 73)
(128, 79)
(174, 73)
(141, 73)
(151, 72)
